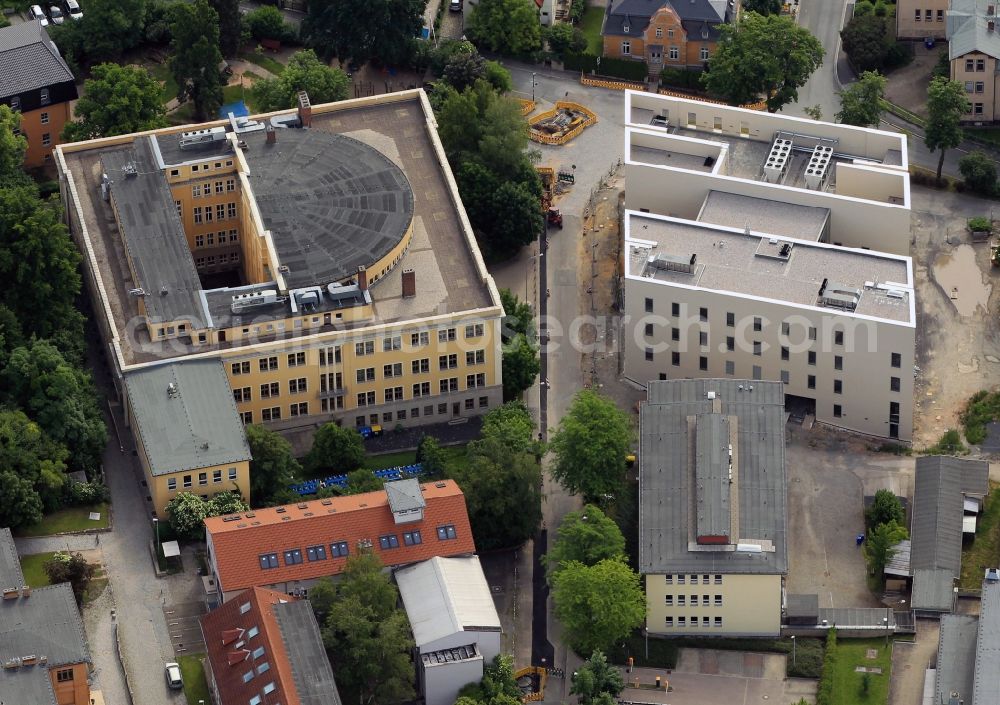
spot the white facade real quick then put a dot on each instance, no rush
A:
(455, 624)
(743, 311)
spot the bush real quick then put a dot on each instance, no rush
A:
(580, 62)
(863, 8)
(267, 22)
(950, 443)
(85, 493)
(980, 176)
(623, 68)
(684, 79)
(824, 691)
(983, 407)
(943, 66)
(979, 224)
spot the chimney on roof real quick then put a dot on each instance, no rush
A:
(362, 278)
(272, 136)
(25, 591)
(409, 283)
(305, 109)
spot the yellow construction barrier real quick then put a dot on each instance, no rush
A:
(542, 677)
(526, 105)
(590, 119)
(759, 105)
(613, 85)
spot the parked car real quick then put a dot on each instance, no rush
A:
(73, 8)
(35, 12)
(455, 6)
(56, 14)
(173, 674)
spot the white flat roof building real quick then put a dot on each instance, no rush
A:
(853, 181)
(455, 624)
(769, 247)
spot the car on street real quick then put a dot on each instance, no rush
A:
(455, 5)
(73, 7)
(56, 14)
(36, 13)
(173, 674)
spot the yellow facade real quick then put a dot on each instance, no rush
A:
(713, 604)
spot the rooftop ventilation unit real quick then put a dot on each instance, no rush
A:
(777, 160)
(673, 263)
(196, 139)
(255, 299)
(129, 170)
(839, 296)
(172, 391)
(818, 167)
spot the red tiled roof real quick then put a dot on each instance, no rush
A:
(229, 664)
(237, 544)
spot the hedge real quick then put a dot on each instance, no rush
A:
(612, 68)
(684, 79)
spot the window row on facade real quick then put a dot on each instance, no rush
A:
(334, 404)
(692, 621)
(692, 600)
(205, 189)
(188, 480)
(692, 579)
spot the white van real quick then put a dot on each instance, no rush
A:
(35, 12)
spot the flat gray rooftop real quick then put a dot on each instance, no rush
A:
(987, 680)
(765, 216)
(666, 484)
(674, 157)
(311, 671)
(956, 657)
(186, 416)
(10, 566)
(751, 266)
(154, 235)
(331, 202)
(447, 277)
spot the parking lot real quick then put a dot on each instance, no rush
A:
(828, 474)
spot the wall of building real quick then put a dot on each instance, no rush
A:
(441, 683)
(681, 193)
(71, 692)
(40, 125)
(866, 394)
(980, 85)
(868, 182)
(909, 27)
(488, 643)
(750, 605)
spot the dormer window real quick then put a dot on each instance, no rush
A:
(44, 94)
(625, 27)
(15, 102)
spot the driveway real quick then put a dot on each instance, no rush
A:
(828, 474)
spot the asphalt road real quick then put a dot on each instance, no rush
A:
(824, 19)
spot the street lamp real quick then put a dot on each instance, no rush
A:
(793, 650)
(533, 84)
(885, 622)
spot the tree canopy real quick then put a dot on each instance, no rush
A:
(596, 677)
(590, 446)
(13, 144)
(107, 30)
(865, 40)
(72, 569)
(979, 172)
(230, 25)
(597, 605)
(367, 635)
(273, 466)
(187, 512)
(116, 100)
(336, 449)
(946, 104)
(194, 28)
(588, 537)
(767, 57)
(267, 22)
(878, 546)
(884, 509)
(486, 139)
(365, 29)
(520, 363)
(505, 26)
(762, 7)
(861, 101)
(304, 72)
(431, 456)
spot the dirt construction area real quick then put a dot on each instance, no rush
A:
(958, 337)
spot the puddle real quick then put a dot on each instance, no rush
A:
(962, 279)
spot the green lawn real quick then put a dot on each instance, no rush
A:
(161, 72)
(848, 683)
(982, 553)
(231, 94)
(72, 519)
(452, 454)
(265, 62)
(193, 675)
(593, 17)
(34, 573)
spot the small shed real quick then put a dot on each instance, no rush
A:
(802, 610)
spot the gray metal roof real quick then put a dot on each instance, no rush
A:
(666, 476)
(196, 427)
(936, 525)
(10, 566)
(405, 495)
(899, 562)
(863, 617)
(154, 236)
(29, 60)
(764, 215)
(967, 29)
(331, 202)
(311, 671)
(986, 685)
(698, 17)
(712, 476)
(956, 663)
(45, 624)
(802, 606)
